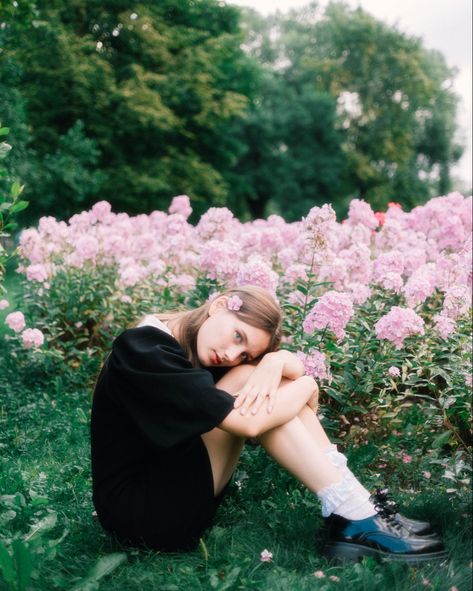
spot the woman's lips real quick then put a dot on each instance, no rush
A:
(215, 358)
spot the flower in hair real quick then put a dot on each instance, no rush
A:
(234, 303)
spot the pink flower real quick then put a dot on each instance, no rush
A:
(131, 275)
(181, 204)
(333, 310)
(215, 223)
(32, 337)
(220, 259)
(426, 474)
(334, 578)
(457, 301)
(394, 372)
(319, 574)
(406, 458)
(444, 325)
(101, 210)
(398, 324)
(4, 304)
(315, 365)
(420, 285)
(15, 321)
(266, 556)
(380, 216)
(360, 212)
(295, 272)
(183, 282)
(318, 224)
(86, 247)
(257, 272)
(234, 303)
(36, 273)
(359, 293)
(392, 281)
(125, 299)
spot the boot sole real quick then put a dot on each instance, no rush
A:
(345, 552)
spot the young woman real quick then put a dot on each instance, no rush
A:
(176, 399)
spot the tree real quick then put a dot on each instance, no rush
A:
(396, 109)
(293, 157)
(154, 86)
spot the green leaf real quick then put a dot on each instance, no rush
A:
(348, 377)
(41, 526)
(19, 206)
(4, 149)
(16, 189)
(4, 130)
(441, 439)
(24, 563)
(103, 567)
(6, 564)
(336, 395)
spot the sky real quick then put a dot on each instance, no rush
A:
(445, 25)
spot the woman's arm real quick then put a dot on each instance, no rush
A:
(293, 395)
(293, 367)
(265, 380)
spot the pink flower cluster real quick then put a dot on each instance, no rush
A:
(333, 310)
(422, 254)
(31, 337)
(398, 324)
(316, 365)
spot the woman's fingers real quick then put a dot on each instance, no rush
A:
(272, 399)
(250, 398)
(258, 402)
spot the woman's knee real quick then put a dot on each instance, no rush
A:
(235, 378)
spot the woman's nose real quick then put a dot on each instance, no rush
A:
(233, 353)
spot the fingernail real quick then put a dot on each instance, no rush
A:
(254, 411)
(243, 411)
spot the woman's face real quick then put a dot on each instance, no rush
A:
(225, 341)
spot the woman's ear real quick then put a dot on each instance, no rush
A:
(218, 304)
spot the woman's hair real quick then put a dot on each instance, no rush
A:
(259, 309)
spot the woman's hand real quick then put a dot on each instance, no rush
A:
(263, 382)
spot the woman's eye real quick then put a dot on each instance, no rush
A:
(238, 336)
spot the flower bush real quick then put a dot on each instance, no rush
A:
(377, 306)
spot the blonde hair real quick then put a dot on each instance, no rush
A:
(259, 309)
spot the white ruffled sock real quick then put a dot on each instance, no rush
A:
(348, 497)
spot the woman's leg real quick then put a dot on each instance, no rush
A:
(297, 447)
(294, 447)
(312, 423)
(224, 448)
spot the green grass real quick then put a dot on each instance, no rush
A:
(44, 440)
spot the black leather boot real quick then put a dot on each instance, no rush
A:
(380, 537)
(381, 499)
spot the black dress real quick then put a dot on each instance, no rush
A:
(151, 473)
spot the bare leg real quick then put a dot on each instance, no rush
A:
(293, 447)
(297, 445)
(312, 423)
(224, 448)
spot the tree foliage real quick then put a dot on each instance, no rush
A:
(137, 102)
(396, 109)
(136, 98)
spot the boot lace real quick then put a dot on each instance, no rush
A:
(386, 508)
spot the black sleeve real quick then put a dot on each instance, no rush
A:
(154, 383)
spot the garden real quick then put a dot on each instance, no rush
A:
(378, 308)
(164, 151)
